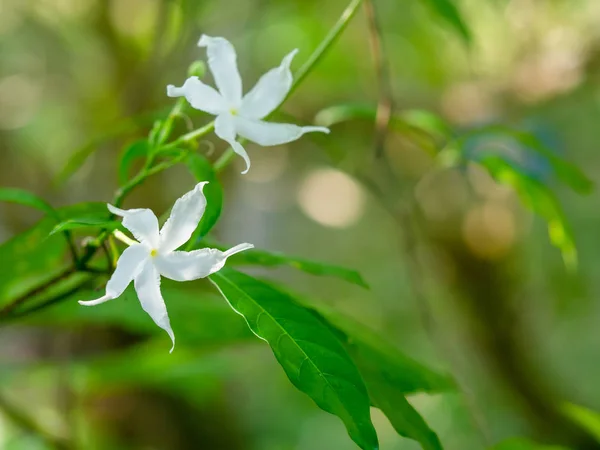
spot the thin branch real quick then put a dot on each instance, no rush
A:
(47, 303)
(69, 237)
(382, 71)
(10, 307)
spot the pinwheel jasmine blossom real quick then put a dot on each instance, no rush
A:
(154, 254)
(237, 115)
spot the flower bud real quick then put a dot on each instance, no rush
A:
(197, 69)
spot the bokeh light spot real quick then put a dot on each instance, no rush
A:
(331, 198)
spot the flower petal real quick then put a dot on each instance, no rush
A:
(222, 61)
(184, 219)
(142, 223)
(147, 286)
(187, 266)
(268, 133)
(270, 90)
(128, 266)
(225, 129)
(199, 95)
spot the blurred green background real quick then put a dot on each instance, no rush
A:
(92, 74)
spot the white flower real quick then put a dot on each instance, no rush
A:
(237, 115)
(155, 254)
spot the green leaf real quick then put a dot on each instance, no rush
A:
(122, 127)
(405, 419)
(313, 359)
(448, 11)
(588, 419)
(370, 350)
(138, 149)
(519, 443)
(26, 198)
(203, 170)
(428, 122)
(36, 257)
(389, 375)
(541, 200)
(387, 372)
(270, 259)
(86, 222)
(566, 172)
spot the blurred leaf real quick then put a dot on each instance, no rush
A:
(427, 121)
(27, 198)
(138, 149)
(334, 115)
(590, 420)
(80, 156)
(202, 170)
(541, 200)
(424, 128)
(448, 11)
(34, 255)
(86, 222)
(566, 172)
(519, 443)
(313, 359)
(418, 119)
(270, 259)
(195, 375)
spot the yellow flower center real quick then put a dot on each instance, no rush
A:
(233, 111)
(153, 252)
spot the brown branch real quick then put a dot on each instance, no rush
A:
(382, 72)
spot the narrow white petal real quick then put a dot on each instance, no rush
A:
(184, 219)
(147, 286)
(187, 266)
(270, 90)
(128, 266)
(238, 248)
(268, 133)
(142, 223)
(98, 301)
(222, 61)
(199, 95)
(225, 129)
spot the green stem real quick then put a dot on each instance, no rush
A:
(225, 159)
(189, 137)
(325, 44)
(167, 127)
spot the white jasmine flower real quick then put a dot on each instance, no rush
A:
(155, 254)
(237, 115)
